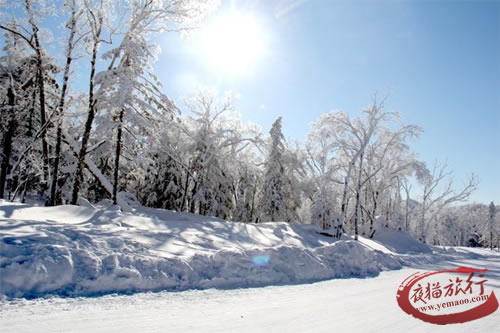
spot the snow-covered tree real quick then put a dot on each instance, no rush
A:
(362, 160)
(277, 201)
(95, 12)
(127, 89)
(13, 73)
(216, 140)
(323, 208)
(438, 193)
(23, 124)
(491, 225)
(27, 31)
(72, 25)
(388, 160)
(246, 196)
(322, 168)
(350, 138)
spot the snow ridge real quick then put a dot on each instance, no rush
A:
(80, 251)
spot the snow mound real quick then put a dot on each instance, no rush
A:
(80, 251)
(71, 214)
(400, 241)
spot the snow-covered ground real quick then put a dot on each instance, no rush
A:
(88, 251)
(49, 252)
(354, 305)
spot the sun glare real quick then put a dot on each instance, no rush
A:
(233, 43)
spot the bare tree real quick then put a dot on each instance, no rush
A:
(438, 193)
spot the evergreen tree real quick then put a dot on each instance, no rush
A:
(276, 183)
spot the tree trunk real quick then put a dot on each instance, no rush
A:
(192, 208)
(55, 171)
(117, 154)
(29, 133)
(407, 216)
(343, 207)
(422, 220)
(338, 231)
(252, 209)
(43, 120)
(375, 196)
(388, 211)
(358, 190)
(7, 142)
(184, 205)
(60, 111)
(41, 95)
(88, 124)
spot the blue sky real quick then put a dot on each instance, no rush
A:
(438, 61)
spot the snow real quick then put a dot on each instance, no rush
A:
(86, 251)
(97, 250)
(70, 215)
(70, 251)
(342, 305)
(400, 241)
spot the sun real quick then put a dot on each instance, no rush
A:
(233, 43)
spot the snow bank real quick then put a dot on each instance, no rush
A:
(400, 241)
(70, 251)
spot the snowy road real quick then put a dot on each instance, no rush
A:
(358, 305)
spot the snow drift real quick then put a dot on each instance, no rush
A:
(83, 251)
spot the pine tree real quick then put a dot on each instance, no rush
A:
(276, 183)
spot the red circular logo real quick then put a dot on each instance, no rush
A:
(462, 297)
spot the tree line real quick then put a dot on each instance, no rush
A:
(125, 137)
